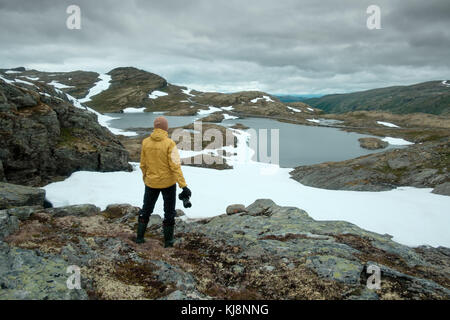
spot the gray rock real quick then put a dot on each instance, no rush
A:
(23, 213)
(82, 210)
(268, 268)
(336, 268)
(8, 224)
(399, 163)
(155, 220)
(25, 101)
(443, 189)
(12, 195)
(413, 284)
(169, 273)
(41, 141)
(26, 275)
(235, 208)
(261, 207)
(180, 213)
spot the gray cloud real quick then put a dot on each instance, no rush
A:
(287, 46)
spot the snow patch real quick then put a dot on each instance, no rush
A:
(267, 98)
(313, 120)
(397, 141)
(156, 94)
(388, 124)
(100, 86)
(31, 78)
(12, 72)
(310, 109)
(229, 117)
(58, 85)
(188, 92)
(445, 83)
(229, 108)
(25, 82)
(209, 111)
(294, 109)
(134, 110)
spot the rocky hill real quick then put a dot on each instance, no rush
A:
(421, 165)
(263, 251)
(428, 97)
(44, 137)
(130, 87)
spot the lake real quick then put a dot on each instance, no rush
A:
(298, 144)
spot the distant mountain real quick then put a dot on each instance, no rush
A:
(287, 98)
(428, 97)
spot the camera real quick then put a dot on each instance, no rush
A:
(185, 199)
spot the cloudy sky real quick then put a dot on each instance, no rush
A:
(277, 46)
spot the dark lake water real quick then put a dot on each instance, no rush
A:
(298, 144)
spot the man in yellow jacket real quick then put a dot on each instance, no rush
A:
(161, 169)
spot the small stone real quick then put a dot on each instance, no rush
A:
(180, 213)
(235, 208)
(268, 268)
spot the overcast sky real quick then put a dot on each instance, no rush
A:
(277, 46)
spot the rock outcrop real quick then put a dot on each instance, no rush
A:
(420, 165)
(12, 195)
(44, 137)
(372, 143)
(263, 251)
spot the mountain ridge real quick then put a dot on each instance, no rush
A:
(427, 97)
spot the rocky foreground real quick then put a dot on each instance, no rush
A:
(263, 251)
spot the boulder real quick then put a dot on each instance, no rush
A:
(236, 208)
(443, 188)
(81, 210)
(12, 195)
(261, 207)
(372, 143)
(114, 211)
(180, 213)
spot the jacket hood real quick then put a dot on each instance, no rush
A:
(159, 134)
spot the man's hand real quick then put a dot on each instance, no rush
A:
(186, 193)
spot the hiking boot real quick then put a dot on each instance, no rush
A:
(142, 226)
(168, 235)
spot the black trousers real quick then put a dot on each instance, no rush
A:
(150, 197)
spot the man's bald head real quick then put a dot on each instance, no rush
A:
(161, 123)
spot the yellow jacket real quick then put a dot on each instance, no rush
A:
(160, 161)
